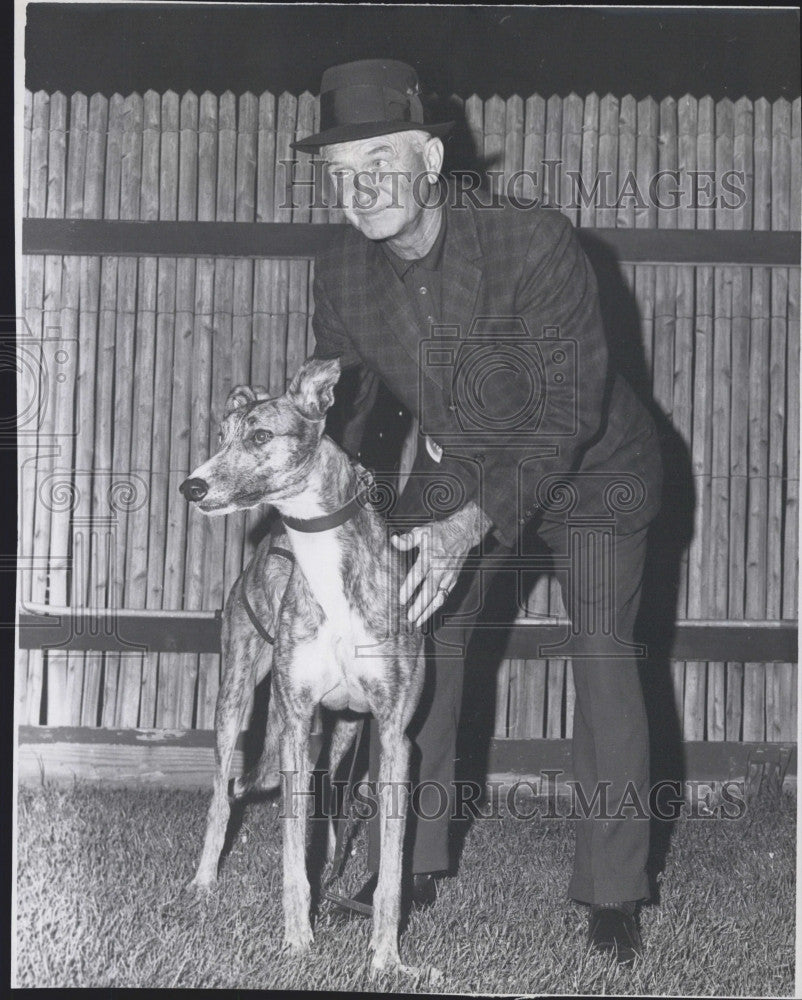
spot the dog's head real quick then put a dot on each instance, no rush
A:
(267, 445)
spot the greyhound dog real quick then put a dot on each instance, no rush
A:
(341, 635)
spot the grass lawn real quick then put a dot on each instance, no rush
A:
(100, 904)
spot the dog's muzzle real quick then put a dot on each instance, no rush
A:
(194, 489)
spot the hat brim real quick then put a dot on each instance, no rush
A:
(366, 130)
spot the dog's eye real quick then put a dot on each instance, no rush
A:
(261, 436)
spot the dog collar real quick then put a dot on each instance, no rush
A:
(326, 522)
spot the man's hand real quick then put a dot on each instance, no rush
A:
(443, 546)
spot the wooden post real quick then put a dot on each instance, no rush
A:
(759, 364)
(138, 672)
(646, 216)
(701, 449)
(739, 420)
(778, 677)
(263, 349)
(608, 162)
(199, 527)
(172, 667)
(126, 491)
(65, 670)
(34, 314)
(552, 193)
(493, 141)
(571, 155)
(627, 173)
(24, 387)
(161, 117)
(791, 523)
(531, 693)
(683, 400)
(535, 144)
(474, 119)
(590, 161)
(718, 540)
(242, 329)
(56, 436)
(514, 145)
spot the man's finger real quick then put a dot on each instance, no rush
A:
(426, 605)
(435, 600)
(412, 580)
(418, 570)
(426, 596)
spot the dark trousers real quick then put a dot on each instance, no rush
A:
(610, 737)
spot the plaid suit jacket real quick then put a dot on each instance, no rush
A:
(543, 445)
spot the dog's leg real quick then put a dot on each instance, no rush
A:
(295, 771)
(393, 794)
(264, 776)
(342, 738)
(229, 716)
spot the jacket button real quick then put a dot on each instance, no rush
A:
(452, 407)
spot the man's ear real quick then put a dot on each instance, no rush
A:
(312, 389)
(433, 154)
(244, 395)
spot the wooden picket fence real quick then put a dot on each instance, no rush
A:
(131, 357)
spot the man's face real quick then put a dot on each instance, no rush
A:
(381, 183)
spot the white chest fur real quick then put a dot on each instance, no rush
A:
(337, 661)
(319, 557)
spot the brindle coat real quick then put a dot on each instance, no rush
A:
(341, 637)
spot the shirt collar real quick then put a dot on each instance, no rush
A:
(432, 260)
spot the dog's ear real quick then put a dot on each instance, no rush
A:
(312, 389)
(243, 395)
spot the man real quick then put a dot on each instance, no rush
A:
(513, 300)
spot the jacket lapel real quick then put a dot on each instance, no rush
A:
(461, 281)
(390, 332)
(461, 274)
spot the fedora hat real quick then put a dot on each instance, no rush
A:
(370, 97)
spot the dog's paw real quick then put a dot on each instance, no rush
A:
(387, 960)
(238, 788)
(298, 938)
(200, 887)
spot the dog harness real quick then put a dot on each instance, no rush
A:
(249, 607)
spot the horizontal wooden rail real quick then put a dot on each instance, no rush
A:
(199, 632)
(102, 237)
(185, 758)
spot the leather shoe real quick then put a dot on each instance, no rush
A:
(613, 928)
(424, 890)
(423, 894)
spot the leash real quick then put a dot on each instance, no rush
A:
(345, 828)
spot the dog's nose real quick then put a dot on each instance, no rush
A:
(194, 489)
